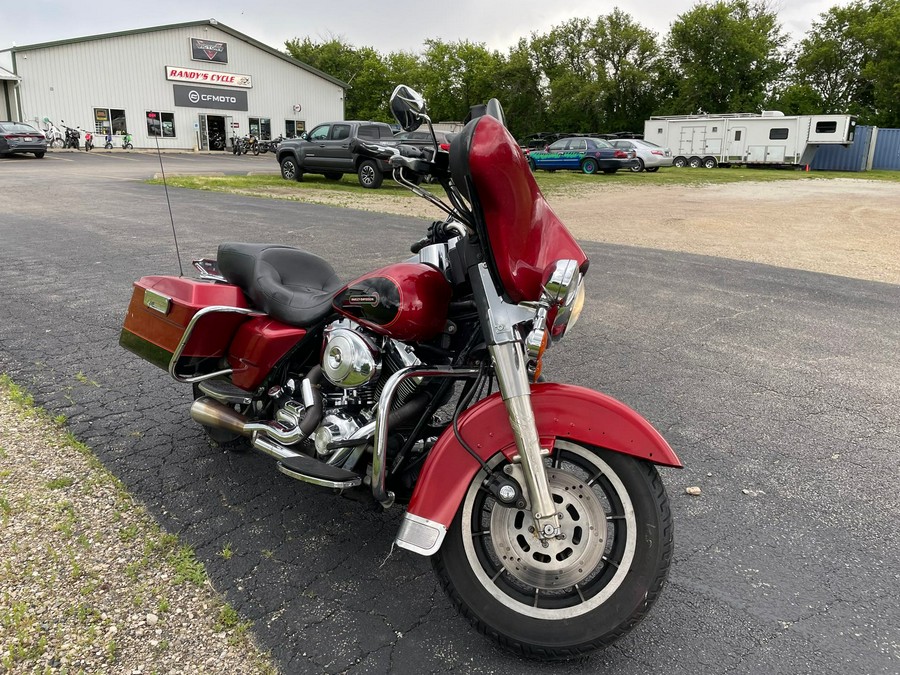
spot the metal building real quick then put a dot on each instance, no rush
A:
(188, 86)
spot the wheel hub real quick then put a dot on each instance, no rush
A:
(553, 563)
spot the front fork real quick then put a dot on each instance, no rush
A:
(515, 388)
(498, 320)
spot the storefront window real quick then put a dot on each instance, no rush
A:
(163, 122)
(293, 128)
(261, 127)
(109, 120)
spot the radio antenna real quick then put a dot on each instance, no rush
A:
(151, 115)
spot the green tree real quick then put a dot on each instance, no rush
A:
(575, 84)
(881, 70)
(630, 57)
(827, 71)
(519, 90)
(362, 68)
(728, 56)
(457, 75)
(601, 75)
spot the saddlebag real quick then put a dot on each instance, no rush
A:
(160, 312)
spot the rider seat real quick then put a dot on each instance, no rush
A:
(290, 285)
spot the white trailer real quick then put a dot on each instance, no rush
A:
(748, 138)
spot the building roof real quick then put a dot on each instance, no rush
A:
(6, 75)
(188, 24)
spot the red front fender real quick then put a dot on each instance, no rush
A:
(560, 410)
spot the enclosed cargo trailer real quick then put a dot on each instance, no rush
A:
(748, 138)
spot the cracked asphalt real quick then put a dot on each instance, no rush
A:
(779, 390)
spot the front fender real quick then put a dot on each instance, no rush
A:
(560, 410)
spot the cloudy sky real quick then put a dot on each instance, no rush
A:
(387, 25)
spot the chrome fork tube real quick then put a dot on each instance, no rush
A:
(512, 378)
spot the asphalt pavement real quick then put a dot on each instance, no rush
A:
(778, 389)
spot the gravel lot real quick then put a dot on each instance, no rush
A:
(847, 227)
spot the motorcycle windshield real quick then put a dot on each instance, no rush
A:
(521, 233)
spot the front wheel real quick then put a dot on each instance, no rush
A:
(582, 591)
(370, 175)
(289, 169)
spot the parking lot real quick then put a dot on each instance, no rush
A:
(779, 389)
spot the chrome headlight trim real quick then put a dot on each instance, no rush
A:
(569, 311)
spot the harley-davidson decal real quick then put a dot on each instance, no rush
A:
(370, 299)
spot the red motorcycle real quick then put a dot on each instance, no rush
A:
(539, 503)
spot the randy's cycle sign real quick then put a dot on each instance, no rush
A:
(209, 50)
(207, 97)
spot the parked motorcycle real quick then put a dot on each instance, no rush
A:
(237, 145)
(126, 142)
(539, 504)
(73, 138)
(53, 135)
(216, 141)
(270, 145)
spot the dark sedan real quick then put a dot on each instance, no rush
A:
(580, 153)
(18, 137)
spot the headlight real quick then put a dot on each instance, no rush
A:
(569, 311)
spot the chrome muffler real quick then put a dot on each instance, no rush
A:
(211, 413)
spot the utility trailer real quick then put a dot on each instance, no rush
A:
(769, 138)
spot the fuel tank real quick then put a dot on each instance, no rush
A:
(405, 301)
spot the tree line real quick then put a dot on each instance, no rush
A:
(611, 73)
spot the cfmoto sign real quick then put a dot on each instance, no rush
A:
(207, 97)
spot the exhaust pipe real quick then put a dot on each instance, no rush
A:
(211, 413)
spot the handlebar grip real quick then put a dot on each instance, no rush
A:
(419, 245)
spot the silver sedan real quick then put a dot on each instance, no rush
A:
(650, 156)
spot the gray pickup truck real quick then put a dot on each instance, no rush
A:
(326, 150)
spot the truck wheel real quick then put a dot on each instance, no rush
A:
(370, 175)
(679, 162)
(710, 163)
(694, 162)
(289, 170)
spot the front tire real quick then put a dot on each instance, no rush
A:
(370, 176)
(580, 593)
(289, 170)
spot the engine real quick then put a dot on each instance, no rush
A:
(357, 362)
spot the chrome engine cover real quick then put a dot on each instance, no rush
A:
(337, 425)
(351, 358)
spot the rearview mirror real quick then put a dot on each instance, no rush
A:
(407, 107)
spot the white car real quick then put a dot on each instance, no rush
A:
(650, 156)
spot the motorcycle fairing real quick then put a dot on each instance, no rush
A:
(560, 410)
(523, 234)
